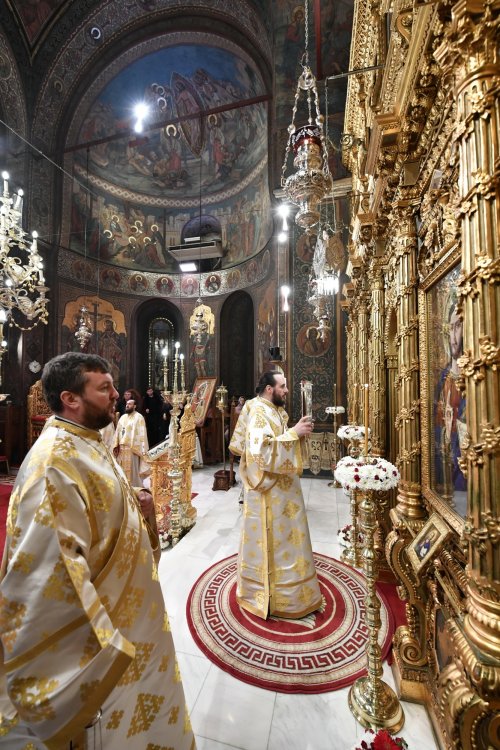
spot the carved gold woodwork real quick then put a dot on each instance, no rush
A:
(161, 483)
(425, 197)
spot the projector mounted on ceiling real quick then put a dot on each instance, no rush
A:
(196, 250)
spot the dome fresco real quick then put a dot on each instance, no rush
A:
(145, 187)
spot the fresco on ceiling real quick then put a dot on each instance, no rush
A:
(221, 151)
(35, 14)
(138, 237)
(144, 191)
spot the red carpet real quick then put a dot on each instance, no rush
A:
(5, 490)
(318, 654)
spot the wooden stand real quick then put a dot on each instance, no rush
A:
(222, 480)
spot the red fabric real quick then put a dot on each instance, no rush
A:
(5, 491)
(320, 653)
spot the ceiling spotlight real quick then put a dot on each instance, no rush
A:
(141, 110)
(186, 267)
(282, 237)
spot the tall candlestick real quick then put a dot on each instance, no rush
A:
(354, 403)
(176, 365)
(366, 408)
(164, 354)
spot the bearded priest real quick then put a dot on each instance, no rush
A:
(276, 573)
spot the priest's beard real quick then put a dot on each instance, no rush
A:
(277, 400)
(95, 417)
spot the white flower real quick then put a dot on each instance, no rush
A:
(335, 410)
(352, 432)
(366, 473)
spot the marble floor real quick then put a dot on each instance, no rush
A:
(227, 713)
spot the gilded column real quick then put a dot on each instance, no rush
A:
(408, 517)
(377, 361)
(470, 53)
(409, 506)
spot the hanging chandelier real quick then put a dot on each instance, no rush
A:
(22, 283)
(312, 180)
(83, 333)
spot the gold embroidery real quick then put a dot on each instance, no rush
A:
(301, 566)
(134, 671)
(129, 608)
(44, 514)
(174, 715)
(296, 537)
(291, 510)
(146, 708)
(87, 688)
(126, 552)
(100, 489)
(64, 447)
(154, 573)
(114, 720)
(60, 586)
(32, 694)
(166, 624)
(77, 572)
(153, 610)
(165, 659)
(177, 673)
(104, 635)
(91, 648)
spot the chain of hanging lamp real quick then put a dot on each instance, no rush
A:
(83, 333)
(308, 185)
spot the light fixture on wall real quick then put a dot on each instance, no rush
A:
(312, 180)
(22, 283)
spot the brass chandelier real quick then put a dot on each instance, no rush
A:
(311, 181)
(22, 283)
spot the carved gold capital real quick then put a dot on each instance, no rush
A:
(488, 531)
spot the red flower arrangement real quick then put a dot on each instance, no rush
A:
(381, 740)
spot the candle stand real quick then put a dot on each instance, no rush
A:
(222, 478)
(175, 473)
(335, 410)
(353, 434)
(372, 702)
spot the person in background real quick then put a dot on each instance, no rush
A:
(239, 406)
(152, 407)
(131, 445)
(127, 395)
(87, 651)
(276, 573)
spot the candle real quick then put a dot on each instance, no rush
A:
(335, 394)
(182, 372)
(366, 408)
(5, 176)
(176, 365)
(354, 403)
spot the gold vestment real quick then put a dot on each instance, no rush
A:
(276, 573)
(132, 438)
(83, 626)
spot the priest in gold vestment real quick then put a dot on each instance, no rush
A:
(276, 573)
(87, 654)
(131, 444)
